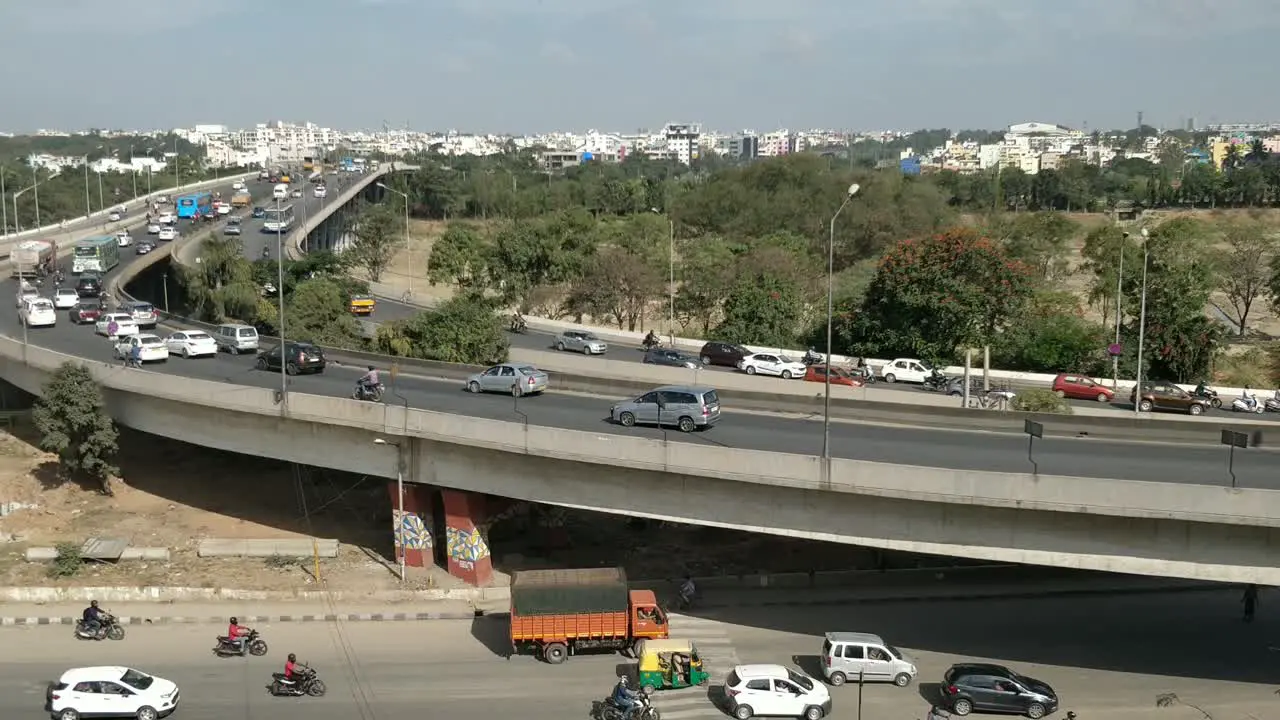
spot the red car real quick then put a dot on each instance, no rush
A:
(817, 373)
(87, 311)
(1081, 387)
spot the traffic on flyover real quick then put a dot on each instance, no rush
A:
(1104, 656)
(753, 430)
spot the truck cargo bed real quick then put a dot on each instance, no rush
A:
(569, 592)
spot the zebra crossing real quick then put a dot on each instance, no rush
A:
(718, 658)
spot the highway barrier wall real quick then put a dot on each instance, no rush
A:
(1179, 530)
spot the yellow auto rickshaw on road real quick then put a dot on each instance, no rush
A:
(362, 304)
(666, 664)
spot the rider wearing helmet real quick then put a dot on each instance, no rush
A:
(238, 635)
(290, 668)
(624, 697)
(92, 617)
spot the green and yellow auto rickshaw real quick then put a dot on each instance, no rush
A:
(666, 664)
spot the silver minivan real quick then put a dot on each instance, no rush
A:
(684, 406)
(236, 338)
(855, 656)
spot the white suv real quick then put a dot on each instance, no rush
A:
(775, 691)
(111, 692)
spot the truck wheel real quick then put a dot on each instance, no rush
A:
(555, 653)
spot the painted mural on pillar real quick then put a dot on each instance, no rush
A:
(410, 531)
(465, 545)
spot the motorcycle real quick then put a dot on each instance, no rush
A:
(650, 342)
(813, 357)
(937, 381)
(108, 629)
(1242, 405)
(1271, 405)
(306, 682)
(644, 710)
(1212, 396)
(253, 644)
(367, 392)
(518, 325)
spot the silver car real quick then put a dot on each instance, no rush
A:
(682, 406)
(579, 341)
(515, 378)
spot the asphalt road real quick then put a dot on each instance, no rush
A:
(1107, 656)
(432, 669)
(802, 435)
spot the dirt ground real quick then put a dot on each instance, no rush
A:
(172, 495)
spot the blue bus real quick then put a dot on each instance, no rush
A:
(200, 203)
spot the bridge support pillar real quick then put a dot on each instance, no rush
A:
(467, 536)
(412, 529)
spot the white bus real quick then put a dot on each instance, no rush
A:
(278, 219)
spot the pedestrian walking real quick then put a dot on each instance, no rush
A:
(1250, 602)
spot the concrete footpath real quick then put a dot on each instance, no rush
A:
(399, 609)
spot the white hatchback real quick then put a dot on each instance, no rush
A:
(150, 348)
(38, 312)
(65, 298)
(168, 232)
(111, 691)
(125, 325)
(153, 228)
(775, 691)
(192, 343)
(771, 364)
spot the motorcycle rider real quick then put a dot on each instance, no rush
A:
(626, 699)
(687, 590)
(517, 322)
(1250, 398)
(289, 678)
(1202, 390)
(368, 382)
(266, 253)
(93, 617)
(651, 340)
(812, 356)
(238, 635)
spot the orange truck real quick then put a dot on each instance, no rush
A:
(558, 613)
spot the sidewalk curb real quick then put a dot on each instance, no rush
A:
(247, 619)
(478, 613)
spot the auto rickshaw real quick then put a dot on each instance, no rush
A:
(667, 664)
(362, 305)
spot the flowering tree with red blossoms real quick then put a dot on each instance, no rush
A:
(931, 296)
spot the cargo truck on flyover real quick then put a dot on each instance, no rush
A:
(557, 613)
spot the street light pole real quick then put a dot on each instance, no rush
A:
(1115, 359)
(671, 282)
(1142, 322)
(35, 191)
(407, 247)
(284, 376)
(831, 271)
(4, 207)
(88, 210)
(102, 205)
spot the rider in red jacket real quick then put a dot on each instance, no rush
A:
(238, 634)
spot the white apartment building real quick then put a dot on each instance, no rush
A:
(682, 141)
(606, 147)
(775, 144)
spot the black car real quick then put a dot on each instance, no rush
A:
(671, 358)
(89, 286)
(299, 358)
(722, 353)
(985, 688)
(145, 247)
(259, 212)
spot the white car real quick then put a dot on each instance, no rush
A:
(38, 312)
(125, 325)
(770, 364)
(153, 228)
(143, 313)
(224, 209)
(111, 692)
(65, 298)
(162, 199)
(192, 343)
(296, 193)
(151, 348)
(124, 239)
(320, 191)
(906, 370)
(237, 185)
(167, 218)
(115, 216)
(25, 293)
(775, 691)
(168, 232)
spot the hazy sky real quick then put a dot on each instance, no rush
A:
(535, 65)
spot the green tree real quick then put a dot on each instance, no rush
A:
(72, 418)
(934, 295)
(1041, 240)
(317, 312)
(1242, 270)
(220, 286)
(762, 309)
(461, 330)
(461, 257)
(1051, 335)
(706, 276)
(378, 231)
(1180, 341)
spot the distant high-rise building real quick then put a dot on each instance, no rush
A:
(682, 140)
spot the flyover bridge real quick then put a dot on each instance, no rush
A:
(459, 453)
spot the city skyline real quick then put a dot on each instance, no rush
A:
(508, 67)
